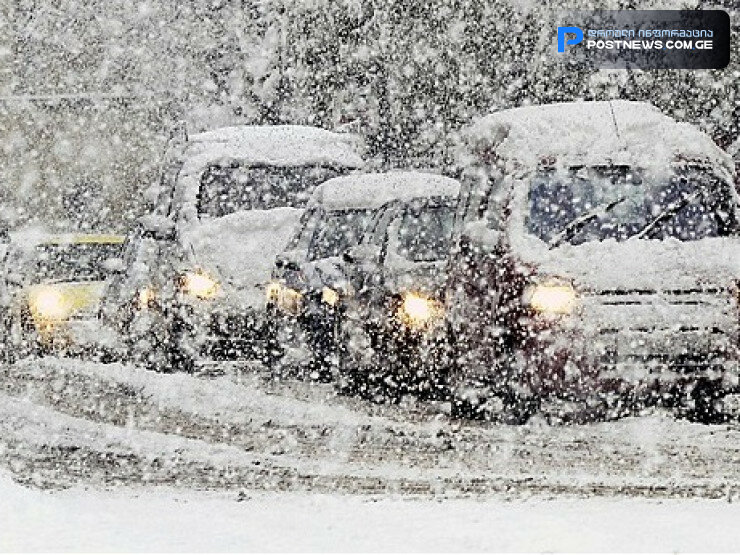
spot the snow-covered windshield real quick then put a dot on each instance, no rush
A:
(424, 233)
(225, 190)
(337, 232)
(593, 204)
(73, 262)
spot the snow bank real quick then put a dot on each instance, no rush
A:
(167, 520)
(372, 190)
(220, 399)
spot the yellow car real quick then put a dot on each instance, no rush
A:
(59, 281)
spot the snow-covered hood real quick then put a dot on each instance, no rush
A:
(637, 264)
(239, 250)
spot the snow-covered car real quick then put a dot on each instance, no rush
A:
(55, 286)
(393, 327)
(309, 283)
(597, 267)
(228, 203)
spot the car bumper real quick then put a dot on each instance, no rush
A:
(583, 358)
(311, 333)
(223, 333)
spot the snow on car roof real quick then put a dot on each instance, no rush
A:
(269, 145)
(275, 145)
(372, 190)
(617, 131)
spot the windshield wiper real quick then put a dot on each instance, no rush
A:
(575, 225)
(670, 211)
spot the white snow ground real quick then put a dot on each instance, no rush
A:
(166, 520)
(122, 458)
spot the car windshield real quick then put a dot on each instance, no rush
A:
(337, 232)
(225, 190)
(619, 203)
(424, 233)
(74, 262)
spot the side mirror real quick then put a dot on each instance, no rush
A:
(158, 227)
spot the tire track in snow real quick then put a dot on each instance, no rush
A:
(287, 443)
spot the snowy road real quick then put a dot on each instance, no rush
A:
(67, 423)
(168, 520)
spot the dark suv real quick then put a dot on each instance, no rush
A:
(309, 290)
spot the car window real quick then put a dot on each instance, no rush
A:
(73, 262)
(225, 190)
(558, 198)
(424, 233)
(337, 232)
(307, 224)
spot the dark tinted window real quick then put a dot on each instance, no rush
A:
(73, 262)
(225, 190)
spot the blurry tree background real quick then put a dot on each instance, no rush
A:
(89, 89)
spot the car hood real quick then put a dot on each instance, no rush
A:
(638, 264)
(239, 250)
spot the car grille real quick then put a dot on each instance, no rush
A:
(685, 329)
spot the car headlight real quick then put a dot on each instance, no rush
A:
(285, 298)
(199, 284)
(145, 298)
(329, 296)
(418, 311)
(272, 292)
(48, 304)
(552, 298)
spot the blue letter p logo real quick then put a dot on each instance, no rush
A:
(562, 41)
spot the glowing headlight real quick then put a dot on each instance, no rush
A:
(199, 285)
(145, 298)
(285, 298)
(48, 304)
(329, 296)
(272, 292)
(418, 311)
(552, 298)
